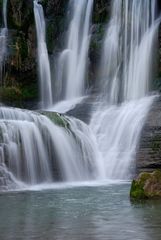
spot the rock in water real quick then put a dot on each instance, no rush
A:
(146, 186)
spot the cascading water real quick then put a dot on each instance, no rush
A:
(118, 129)
(72, 62)
(3, 41)
(43, 59)
(34, 150)
(126, 64)
(125, 73)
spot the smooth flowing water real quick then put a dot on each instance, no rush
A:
(34, 150)
(88, 213)
(126, 68)
(3, 41)
(118, 130)
(43, 59)
(126, 73)
(72, 62)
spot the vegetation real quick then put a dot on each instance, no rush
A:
(146, 186)
(57, 118)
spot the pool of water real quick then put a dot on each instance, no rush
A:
(78, 213)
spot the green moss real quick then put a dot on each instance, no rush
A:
(146, 186)
(157, 175)
(143, 178)
(29, 92)
(14, 94)
(57, 118)
(137, 191)
(137, 187)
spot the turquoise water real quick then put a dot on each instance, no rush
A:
(78, 213)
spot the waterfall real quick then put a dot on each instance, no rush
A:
(3, 41)
(118, 129)
(72, 62)
(34, 150)
(126, 64)
(125, 75)
(43, 59)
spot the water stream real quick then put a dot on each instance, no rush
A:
(126, 66)
(73, 60)
(126, 73)
(3, 41)
(43, 58)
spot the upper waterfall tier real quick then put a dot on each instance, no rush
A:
(43, 59)
(72, 62)
(126, 68)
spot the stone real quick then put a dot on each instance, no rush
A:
(146, 186)
(56, 118)
(148, 156)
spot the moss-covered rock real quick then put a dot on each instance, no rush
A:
(57, 118)
(146, 186)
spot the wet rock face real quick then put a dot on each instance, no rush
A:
(149, 151)
(101, 11)
(146, 186)
(55, 13)
(159, 4)
(20, 72)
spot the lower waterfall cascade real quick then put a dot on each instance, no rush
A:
(37, 149)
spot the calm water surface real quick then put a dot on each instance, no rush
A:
(79, 213)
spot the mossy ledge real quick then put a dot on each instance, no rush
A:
(146, 186)
(57, 118)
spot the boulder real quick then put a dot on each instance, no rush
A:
(146, 186)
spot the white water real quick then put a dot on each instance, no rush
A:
(3, 41)
(118, 130)
(126, 66)
(126, 72)
(66, 105)
(43, 59)
(35, 150)
(73, 61)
